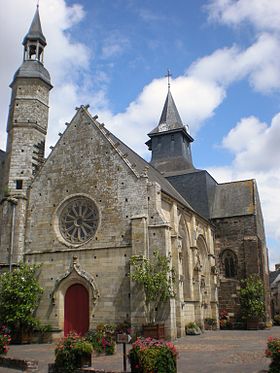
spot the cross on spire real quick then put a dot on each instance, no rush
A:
(168, 75)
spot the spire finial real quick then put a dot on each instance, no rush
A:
(168, 75)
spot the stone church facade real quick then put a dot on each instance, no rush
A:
(93, 203)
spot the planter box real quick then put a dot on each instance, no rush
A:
(252, 324)
(85, 361)
(22, 337)
(154, 331)
(39, 337)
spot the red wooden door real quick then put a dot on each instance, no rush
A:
(76, 310)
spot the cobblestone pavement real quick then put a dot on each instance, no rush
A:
(211, 352)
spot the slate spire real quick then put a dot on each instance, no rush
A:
(170, 141)
(34, 44)
(35, 32)
(170, 117)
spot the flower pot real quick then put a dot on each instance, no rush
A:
(154, 331)
(252, 324)
(22, 337)
(85, 360)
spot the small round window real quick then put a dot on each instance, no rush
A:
(78, 220)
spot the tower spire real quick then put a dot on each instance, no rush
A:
(34, 41)
(170, 141)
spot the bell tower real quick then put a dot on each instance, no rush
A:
(28, 115)
(26, 129)
(170, 142)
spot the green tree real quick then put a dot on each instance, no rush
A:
(252, 298)
(20, 294)
(157, 277)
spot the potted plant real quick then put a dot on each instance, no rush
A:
(252, 301)
(19, 297)
(210, 324)
(72, 352)
(192, 329)
(273, 352)
(102, 339)
(151, 355)
(5, 339)
(156, 276)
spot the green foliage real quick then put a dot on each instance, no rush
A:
(150, 355)
(192, 329)
(273, 352)
(102, 338)
(252, 298)
(5, 339)
(69, 352)
(20, 294)
(157, 277)
(276, 320)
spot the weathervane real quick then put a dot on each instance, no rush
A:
(168, 75)
(38, 3)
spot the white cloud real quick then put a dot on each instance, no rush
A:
(245, 132)
(196, 101)
(260, 63)
(64, 58)
(255, 146)
(264, 15)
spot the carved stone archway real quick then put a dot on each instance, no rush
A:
(74, 275)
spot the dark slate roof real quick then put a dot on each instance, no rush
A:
(234, 199)
(273, 275)
(170, 118)
(35, 32)
(2, 155)
(197, 187)
(33, 69)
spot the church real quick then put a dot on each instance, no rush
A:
(93, 203)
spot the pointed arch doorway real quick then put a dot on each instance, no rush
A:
(76, 310)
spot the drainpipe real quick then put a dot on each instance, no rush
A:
(13, 203)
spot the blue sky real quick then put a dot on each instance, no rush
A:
(224, 56)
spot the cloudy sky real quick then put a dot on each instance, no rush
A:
(225, 59)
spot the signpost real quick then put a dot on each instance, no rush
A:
(124, 339)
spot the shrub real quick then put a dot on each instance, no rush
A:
(210, 323)
(276, 320)
(156, 276)
(19, 297)
(151, 355)
(192, 329)
(69, 352)
(252, 298)
(273, 352)
(102, 338)
(5, 339)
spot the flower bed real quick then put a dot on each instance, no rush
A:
(273, 352)
(5, 339)
(151, 355)
(102, 339)
(72, 352)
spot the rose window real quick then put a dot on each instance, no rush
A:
(78, 220)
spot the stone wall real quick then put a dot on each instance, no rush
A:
(240, 235)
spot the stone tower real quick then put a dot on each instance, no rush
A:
(27, 129)
(170, 142)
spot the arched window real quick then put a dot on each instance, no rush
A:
(229, 261)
